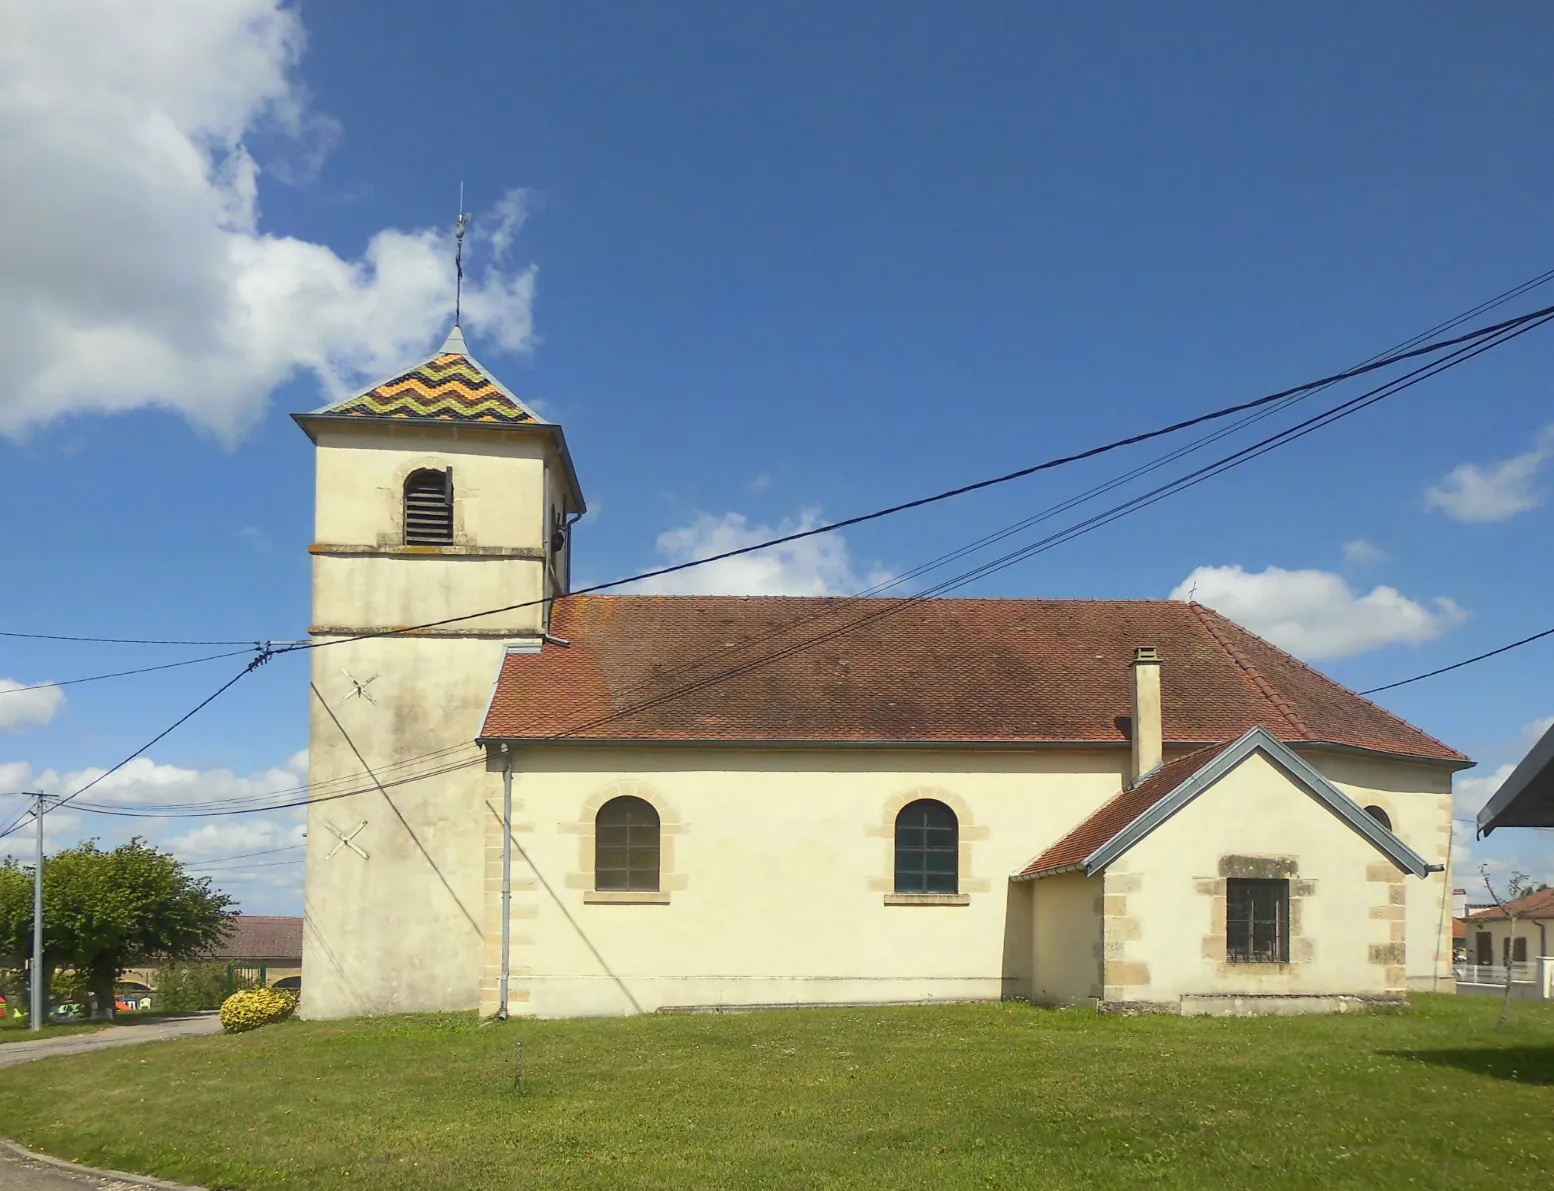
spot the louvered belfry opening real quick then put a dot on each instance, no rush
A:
(429, 508)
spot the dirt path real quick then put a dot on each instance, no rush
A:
(156, 1030)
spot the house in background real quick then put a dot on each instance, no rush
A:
(713, 801)
(1495, 942)
(262, 948)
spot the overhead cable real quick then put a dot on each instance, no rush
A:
(1376, 690)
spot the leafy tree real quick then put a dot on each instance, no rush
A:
(105, 910)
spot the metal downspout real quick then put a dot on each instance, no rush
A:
(507, 881)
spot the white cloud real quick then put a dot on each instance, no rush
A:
(1494, 491)
(146, 784)
(234, 837)
(815, 566)
(1471, 793)
(22, 704)
(1362, 553)
(1316, 614)
(135, 271)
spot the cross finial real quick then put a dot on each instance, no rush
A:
(458, 257)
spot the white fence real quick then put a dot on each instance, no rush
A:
(1521, 973)
(1532, 980)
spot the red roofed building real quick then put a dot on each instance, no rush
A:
(718, 801)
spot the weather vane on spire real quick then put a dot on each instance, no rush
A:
(458, 257)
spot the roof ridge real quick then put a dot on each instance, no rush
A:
(1335, 684)
(1208, 617)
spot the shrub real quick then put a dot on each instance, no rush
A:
(188, 988)
(250, 1008)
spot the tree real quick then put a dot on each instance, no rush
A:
(1518, 885)
(103, 911)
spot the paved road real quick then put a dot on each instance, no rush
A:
(25, 1174)
(158, 1029)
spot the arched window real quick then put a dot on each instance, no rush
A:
(429, 508)
(626, 845)
(927, 848)
(1380, 816)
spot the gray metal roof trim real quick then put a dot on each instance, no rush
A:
(1259, 739)
(1534, 774)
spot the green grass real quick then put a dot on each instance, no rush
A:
(944, 1097)
(14, 1029)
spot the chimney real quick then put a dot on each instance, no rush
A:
(1146, 710)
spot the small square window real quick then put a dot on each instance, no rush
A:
(1257, 921)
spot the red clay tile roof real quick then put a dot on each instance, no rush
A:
(1534, 905)
(1459, 929)
(823, 669)
(1107, 822)
(256, 936)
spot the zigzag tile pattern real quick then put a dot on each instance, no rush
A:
(448, 388)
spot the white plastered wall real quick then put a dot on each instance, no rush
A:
(1417, 798)
(402, 928)
(778, 866)
(1165, 908)
(1068, 941)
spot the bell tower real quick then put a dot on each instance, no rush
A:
(440, 496)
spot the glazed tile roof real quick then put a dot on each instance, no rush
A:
(258, 936)
(822, 669)
(449, 386)
(1108, 822)
(1534, 905)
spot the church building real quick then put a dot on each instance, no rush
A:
(536, 803)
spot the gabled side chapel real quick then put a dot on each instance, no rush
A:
(1131, 804)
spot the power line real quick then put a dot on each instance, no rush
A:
(1192, 479)
(1376, 690)
(259, 659)
(38, 686)
(123, 640)
(1060, 461)
(244, 856)
(831, 607)
(1235, 459)
(259, 802)
(1371, 365)
(1477, 342)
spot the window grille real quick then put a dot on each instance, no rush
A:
(927, 848)
(429, 508)
(1257, 916)
(626, 845)
(1380, 816)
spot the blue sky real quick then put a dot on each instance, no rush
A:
(769, 265)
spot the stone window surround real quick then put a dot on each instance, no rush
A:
(1265, 868)
(970, 833)
(394, 535)
(669, 826)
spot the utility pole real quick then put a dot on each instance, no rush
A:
(39, 994)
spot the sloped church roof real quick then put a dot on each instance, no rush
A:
(448, 386)
(687, 668)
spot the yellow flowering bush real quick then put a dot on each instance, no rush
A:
(250, 1008)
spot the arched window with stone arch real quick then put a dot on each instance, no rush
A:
(1380, 816)
(429, 507)
(927, 848)
(626, 845)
